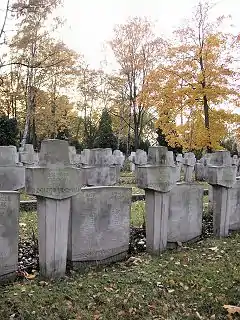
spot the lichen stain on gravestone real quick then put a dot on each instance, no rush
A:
(102, 220)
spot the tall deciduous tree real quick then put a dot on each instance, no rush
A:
(195, 86)
(29, 43)
(137, 51)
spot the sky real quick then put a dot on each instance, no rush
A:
(89, 23)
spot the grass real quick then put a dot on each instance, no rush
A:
(190, 283)
(193, 283)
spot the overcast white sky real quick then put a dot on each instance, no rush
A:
(90, 22)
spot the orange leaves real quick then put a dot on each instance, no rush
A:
(231, 310)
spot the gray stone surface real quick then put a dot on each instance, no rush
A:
(157, 211)
(118, 158)
(100, 176)
(160, 156)
(159, 178)
(85, 157)
(185, 212)
(54, 183)
(141, 157)
(222, 177)
(27, 155)
(234, 219)
(9, 214)
(12, 175)
(189, 162)
(53, 226)
(100, 224)
(101, 157)
(179, 162)
(131, 158)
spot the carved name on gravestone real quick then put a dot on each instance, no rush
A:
(185, 212)
(54, 182)
(12, 175)
(9, 213)
(100, 225)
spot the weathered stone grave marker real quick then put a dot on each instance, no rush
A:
(222, 176)
(12, 175)
(179, 162)
(54, 182)
(100, 226)
(28, 156)
(9, 214)
(185, 212)
(158, 177)
(189, 161)
(100, 170)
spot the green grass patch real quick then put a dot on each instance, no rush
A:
(193, 283)
(138, 213)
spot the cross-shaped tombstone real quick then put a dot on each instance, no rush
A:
(131, 158)
(100, 170)
(12, 174)
(53, 182)
(118, 161)
(179, 162)
(222, 176)
(27, 155)
(85, 157)
(189, 161)
(157, 177)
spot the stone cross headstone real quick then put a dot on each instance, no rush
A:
(100, 170)
(100, 225)
(118, 161)
(222, 176)
(53, 182)
(12, 175)
(28, 156)
(131, 158)
(157, 177)
(189, 161)
(9, 215)
(179, 162)
(85, 157)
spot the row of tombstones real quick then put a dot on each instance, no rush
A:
(91, 225)
(186, 163)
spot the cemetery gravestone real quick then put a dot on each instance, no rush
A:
(158, 178)
(12, 175)
(100, 170)
(234, 219)
(100, 225)
(222, 176)
(54, 182)
(28, 156)
(131, 158)
(9, 214)
(179, 162)
(185, 212)
(189, 161)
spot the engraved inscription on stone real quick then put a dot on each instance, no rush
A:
(100, 222)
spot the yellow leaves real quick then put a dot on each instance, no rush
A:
(231, 310)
